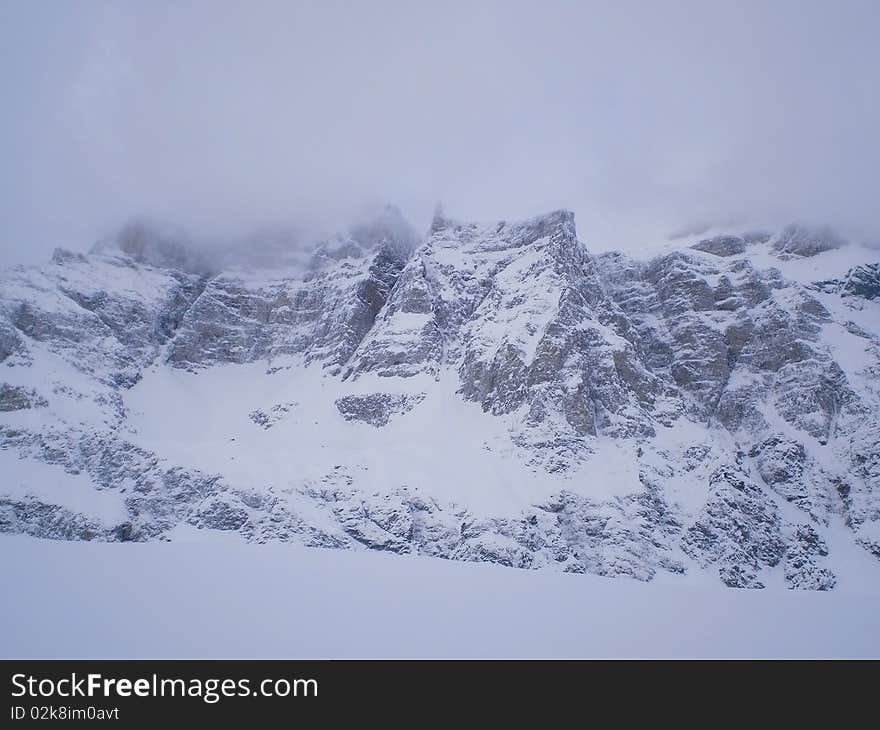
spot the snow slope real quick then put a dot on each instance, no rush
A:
(220, 598)
(309, 439)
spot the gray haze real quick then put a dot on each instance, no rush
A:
(642, 117)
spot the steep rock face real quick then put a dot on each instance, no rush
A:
(803, 561)
(249, 316)
(436, 305)
(796, 240)
(722, 245)
(753, 353)
(738, 530)
(863, 281)
(759, 355)
(701, 411)
(519, 311)
(105, 316)
(860, 283)
(735, 339)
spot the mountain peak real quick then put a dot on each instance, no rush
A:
(558, 221)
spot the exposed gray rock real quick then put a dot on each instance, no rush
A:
(803, 560)
(10, 341)
(376, 409)
(872, 545)
(860, 282)
(18, 398)
(560, 351)
(863, 281)
(784, 466)
(275, 414)
(722, 245)
(32, 517)
(63, 256)
(796, 240)
(323, 315)
(107, 316)
(738, 531)
(218, 514)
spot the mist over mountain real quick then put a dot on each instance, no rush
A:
(641, 119)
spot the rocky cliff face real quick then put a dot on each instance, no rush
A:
(489, 392)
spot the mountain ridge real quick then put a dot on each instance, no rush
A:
(486, 392)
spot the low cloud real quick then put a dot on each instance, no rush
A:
(644, 118)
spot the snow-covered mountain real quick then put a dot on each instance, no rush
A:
(487, 392)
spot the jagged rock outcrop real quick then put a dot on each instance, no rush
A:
(803, 561)
(738, 530)
(376, 408)
(860, 283)
(519, 312)
(246, 316)
(17, 398)
(797, 240)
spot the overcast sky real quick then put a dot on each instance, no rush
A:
(643, 117)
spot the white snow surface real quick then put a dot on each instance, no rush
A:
(211, 430)
(50, 484)
(219, 598)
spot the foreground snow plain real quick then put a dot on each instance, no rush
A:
(204, 595)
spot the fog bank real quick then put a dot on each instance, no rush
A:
(644, 118)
